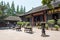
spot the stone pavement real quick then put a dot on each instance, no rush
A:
(9, 34)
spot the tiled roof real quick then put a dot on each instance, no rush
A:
(40, 8)
(12, 18)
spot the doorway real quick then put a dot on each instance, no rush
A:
(55, 17)
(38, 19)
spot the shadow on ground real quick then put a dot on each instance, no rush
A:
(45, 35)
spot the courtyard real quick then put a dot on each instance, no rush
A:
(10, 34)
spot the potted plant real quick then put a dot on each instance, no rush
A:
(51, 22)
(46, 26)
(27, 24)
(19, 25)
(28, 27)
(23, 24)
(57, 27)
(58, 21)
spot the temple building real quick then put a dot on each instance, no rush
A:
(10, 21)
(42, 13)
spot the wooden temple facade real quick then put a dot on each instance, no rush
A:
(42, 13)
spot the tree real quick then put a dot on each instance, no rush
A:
(24, 10)
(1, 3)
(8, 5)
(48, 3)
(17, 8)
(12, 9)
(3, 6)
(2, 10)
(8, 9)
(21, 10)
(0, 13)
(13, 6)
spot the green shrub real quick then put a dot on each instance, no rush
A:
(51, 21)
(57, 27)
(28, 27)
(58, 21)
(27, 23)
(19, 23)
(23, 23)
(46, 26)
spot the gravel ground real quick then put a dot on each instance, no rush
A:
(9, 34)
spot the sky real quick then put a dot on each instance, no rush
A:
(29, 4)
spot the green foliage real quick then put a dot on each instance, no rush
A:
(51, 21)
(0, 12)
(22, 23)
(59, 5)
(19, 23)
(58, 21)
(8, 5)
(27, 23)
(1, 3)
(17, 8)
(46, 26)
(57, 27)
(29, 27)
(10, 11)
(48, 3)
(3, 8)
(12, 6)
(21, 10)
(24, 9)
(45, 2)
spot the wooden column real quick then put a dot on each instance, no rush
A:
(43, 25)
(44, 16)
(32, 21)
